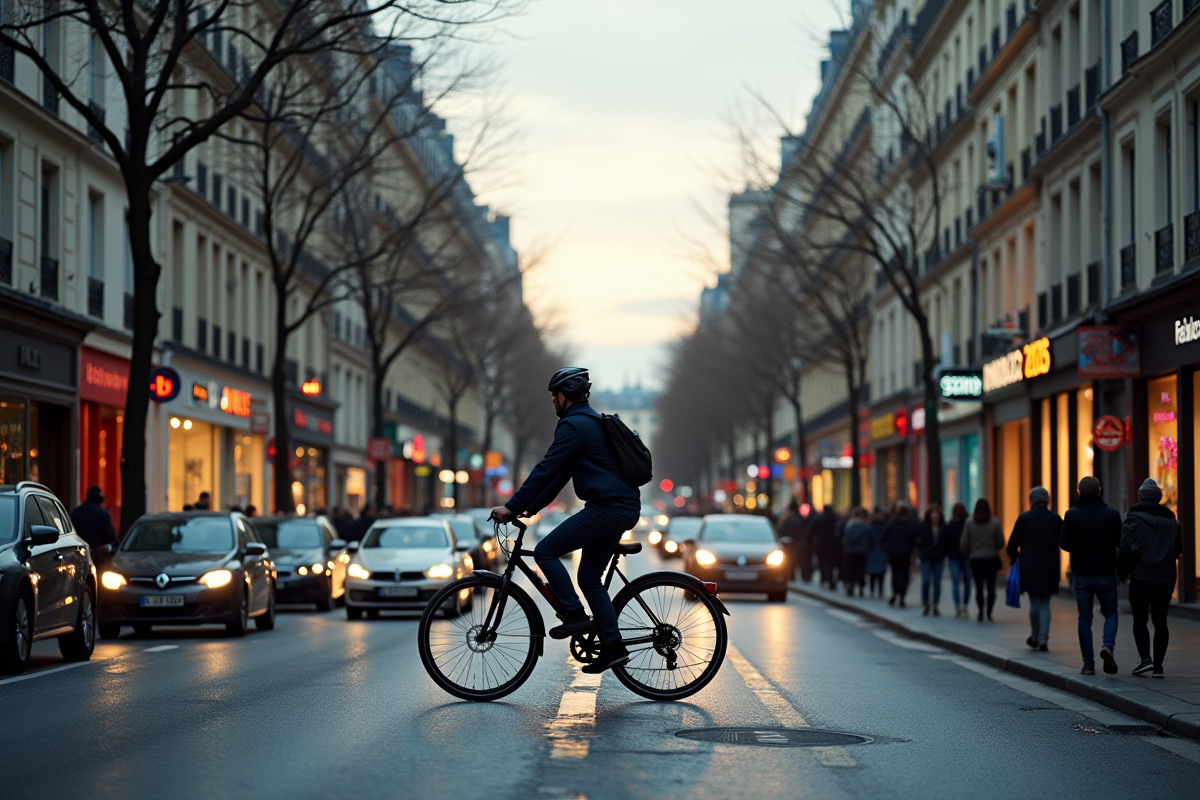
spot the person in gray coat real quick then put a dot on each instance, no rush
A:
(1151, 541)
(1034, 544)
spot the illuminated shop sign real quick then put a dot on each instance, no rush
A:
(230, 400)
(964, 385)
(311, 388)
(1026, 362)
(312, 423)
(1187, 330)
(894, 423)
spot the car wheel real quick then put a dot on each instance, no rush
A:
(79, 643)
(266, 620)
(238, 627)
(143, 628)
(14, 653)
(353, 613)
(109, 630)
(779, 596)
(325, 601)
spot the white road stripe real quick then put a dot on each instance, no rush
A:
(783, 711)
(162, 648)
(571, 730)
(50, 671)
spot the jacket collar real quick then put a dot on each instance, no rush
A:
(581, 407)
(1156, 509)
(1090, 499)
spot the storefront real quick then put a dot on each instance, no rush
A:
(310, 426)
(893, 482)
(103, 384)
(959, 417)
(39, 394)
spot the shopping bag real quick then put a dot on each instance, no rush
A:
(1012, 597)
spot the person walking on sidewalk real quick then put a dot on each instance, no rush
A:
(960, 568)
(792, 526)
(931, 548)
(1091, 533)
(856, 544)
(825, 545)
(1151, 541)
(899, 538)
(1034, 544)
(982, 541)
(876, 557)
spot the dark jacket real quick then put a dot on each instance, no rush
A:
(856, 538)
(1091, 533)
(876, 557)
(821, 531)
(950, 535)
(929, 544)
(1034, 541)
(93, 524)
(793, 526)
(580, 453)
(1151, 540)
(899, 538)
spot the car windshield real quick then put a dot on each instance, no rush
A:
(195, 535)
(684, 528)
(750, 531)
(8, 519)
(291, 534)
(463, 527)
(407, 536)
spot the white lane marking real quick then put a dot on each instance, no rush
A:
(905, 642)
(162, 648)
(846, 616)
(51, 671)
(571, 729)
(1180, 747)
(782, 710)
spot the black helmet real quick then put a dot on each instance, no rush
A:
(571, 381)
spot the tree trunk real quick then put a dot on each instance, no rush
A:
(381, 467)
(145, 329)
(285, 503)
(801, 448)
(769, 433)
(489, 422)
(853, 401)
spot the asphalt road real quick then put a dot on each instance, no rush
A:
(322, 707)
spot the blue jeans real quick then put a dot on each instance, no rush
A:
(931, 573)
(1039, 618)
(1104, 590)
(959, 568)
(596, 530)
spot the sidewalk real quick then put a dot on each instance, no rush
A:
(1172, 703)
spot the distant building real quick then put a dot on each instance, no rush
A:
(635, 406)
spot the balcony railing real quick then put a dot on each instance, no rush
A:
(1056, 127)
(49, 278)
(231, 346)
(1091, 83)
(1129, 52)
(216, 342)
(925, 18)
(1093, 284)
(49, 95)
(983, 60)
(201, 334)
(1056, 304)
(96, 298)
(1191, 235)
(981, 201)
(1026, 164)
(130, 310)
(1162, 22)
(1074, 294)
(1073, 106)
(1164, 249)
(1129, 266)
(6, 262)
(258, 358)
(1040, 143)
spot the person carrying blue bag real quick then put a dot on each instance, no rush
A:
(1033, 548)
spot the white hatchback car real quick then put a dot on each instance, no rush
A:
(401, 563)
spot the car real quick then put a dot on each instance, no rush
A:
(741, 553)
(47, 578)
(682, 529)
(310, 559)
(484, 551)
(402, 562)
(548, 521)
(660, 524)
(188, 568)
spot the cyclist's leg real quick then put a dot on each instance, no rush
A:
(593, 559)
(572, 534)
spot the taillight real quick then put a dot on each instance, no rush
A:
(711, 588)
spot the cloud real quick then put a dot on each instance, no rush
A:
(672, 307)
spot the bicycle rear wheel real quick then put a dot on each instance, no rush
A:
(689, 638)
(455, 655)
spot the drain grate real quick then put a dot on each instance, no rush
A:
(774, 737)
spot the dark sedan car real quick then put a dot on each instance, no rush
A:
(482, 540)
(47, 578)
(190, 568)
(682, 529)
(741, 553)
(310, 561)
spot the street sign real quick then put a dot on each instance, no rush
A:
(379, 448)
(1108, 433)
(961, 384)
(164, 385)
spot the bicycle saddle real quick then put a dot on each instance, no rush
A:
(629, 548)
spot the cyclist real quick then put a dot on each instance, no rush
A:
(580, 453)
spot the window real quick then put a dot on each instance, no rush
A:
(96, 237)
(95, 71)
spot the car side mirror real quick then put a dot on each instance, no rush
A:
(40, 535)
(337, 544)
(462, 546)
(255, 549)
(352, 547)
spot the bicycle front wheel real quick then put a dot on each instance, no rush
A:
(676, 637)
(462, 660)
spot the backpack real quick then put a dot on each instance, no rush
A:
(633, 457)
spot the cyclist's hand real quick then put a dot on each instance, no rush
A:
(501, 514)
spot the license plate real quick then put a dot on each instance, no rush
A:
(398, 591)
(150, 601)
(741, 576)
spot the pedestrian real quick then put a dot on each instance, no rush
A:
(92, 521)
(876, 556)
(932, 551)
(791, 526)
(204, 503)
(822, 535)
(856, 544)
(1034, 545)
(982, 541)
(364, 522)
(960, 568)
(899, 539)
(1151, 541)
(1091, 533)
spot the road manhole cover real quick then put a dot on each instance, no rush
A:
(773, 737)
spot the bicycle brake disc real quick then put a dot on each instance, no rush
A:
(585, 647)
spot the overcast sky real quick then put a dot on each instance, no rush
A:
(621, 105)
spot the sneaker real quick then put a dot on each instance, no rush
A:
(1088, 669)
(611, 655)
(1042, 647)
(1032, 642)
(925, 612)
(575, 622)
(892, 600)
(1110, 664)
(1144, 667)
(936, 613)
(1158, 673)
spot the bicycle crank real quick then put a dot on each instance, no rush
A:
(585, 647)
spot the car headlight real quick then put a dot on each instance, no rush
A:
(655, 537)
(468, 562)
(671, 547)
(112, 580)
(487, 546)
(301, 571)
(775, 559)
(705, 558)
(663, 519)
(318, 568)
(438, 571)
(357, 570)
(217, 578)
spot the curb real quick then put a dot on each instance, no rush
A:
(1177, 721)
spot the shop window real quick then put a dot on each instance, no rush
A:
(1012, 471)
(12, 440)
(248, 459)
(1083, 415)
(1060, 495)
(1164, 443)
(194, 459)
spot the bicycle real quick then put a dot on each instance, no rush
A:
(672, 623)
